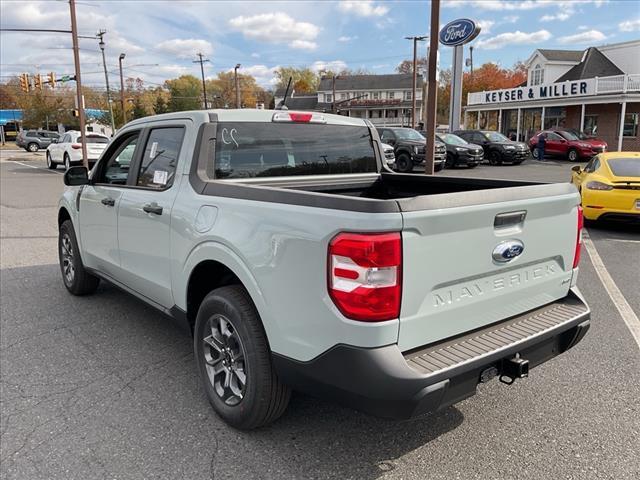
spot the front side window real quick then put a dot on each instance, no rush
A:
(248, 149)
(409, 134)
(160, 158)
(116, 169)
(553, 137)
(495, 137)
(630, 128)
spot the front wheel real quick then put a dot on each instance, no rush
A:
(76, 278)
(495, 158)
(404, 163)
(572, 155)
(234, 360)
(51, 165)
(535, 153)
(438, 166)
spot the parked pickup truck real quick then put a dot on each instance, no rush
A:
(298, 261)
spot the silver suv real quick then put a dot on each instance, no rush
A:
(34, 140)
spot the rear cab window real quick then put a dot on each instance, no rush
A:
(94, 139)
(261, 149)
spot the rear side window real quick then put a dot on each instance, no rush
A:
(94, 139)
(250, 149)
(160, 158)
(625, 167)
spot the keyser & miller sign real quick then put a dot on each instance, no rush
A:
(576, 88)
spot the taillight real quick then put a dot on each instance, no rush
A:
(299, 117)
(365, 275)
(576, 257)
(76, 146)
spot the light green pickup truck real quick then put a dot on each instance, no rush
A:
(299, 261)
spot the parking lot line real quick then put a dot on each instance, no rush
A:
(626, 312)
(37, 168)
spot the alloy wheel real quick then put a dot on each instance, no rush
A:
(66, 250)
(224, 357)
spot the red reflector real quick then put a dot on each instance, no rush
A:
(576, 257)
(300, 117)
(365, 275)
(76, 146)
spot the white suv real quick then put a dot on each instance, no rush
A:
(68, 149)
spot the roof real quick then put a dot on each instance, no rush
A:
(562, 55)
(594, 64)
(369, 82)
(308, 102)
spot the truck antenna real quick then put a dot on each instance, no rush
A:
(281, 105)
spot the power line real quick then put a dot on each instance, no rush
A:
(201, 61)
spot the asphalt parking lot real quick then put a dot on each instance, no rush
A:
(105, 387)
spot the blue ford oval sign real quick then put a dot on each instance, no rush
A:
(507, 251)
(459, 32)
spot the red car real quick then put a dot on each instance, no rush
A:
(565, 143)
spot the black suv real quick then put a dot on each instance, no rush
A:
(409, 146)
(34, 140)
(460, 152)
(497, 147)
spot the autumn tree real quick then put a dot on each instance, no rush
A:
(222, 90)
(304, 80)
(185, 93)
(406, 66)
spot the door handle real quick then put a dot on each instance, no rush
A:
(108, 201)
(153, 208)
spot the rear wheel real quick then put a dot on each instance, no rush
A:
(404, 163)
(51, 165)
(438, 166)
(67, 161)
(534, 153)
(234, 360)
(572, 155)
(76, 278)
(495, 158)
(33, 147)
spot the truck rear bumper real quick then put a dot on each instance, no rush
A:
(385, 382)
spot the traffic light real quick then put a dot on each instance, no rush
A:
(24, 82)
(37, 82)
(52, 79)
(76, 112)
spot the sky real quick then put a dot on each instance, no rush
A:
(161, 38)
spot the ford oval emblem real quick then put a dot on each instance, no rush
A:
(458, 32)
(507, 251)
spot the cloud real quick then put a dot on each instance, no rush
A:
(345, 39)
(510, 5)
(485, 25)
(255, 55)
(584, 37)
(277, 28)
(363, 8)
(514, 38)
(560, 16)
(511, 18)
(185, 48)
(334, 65)
(263, 74)
(630, 25)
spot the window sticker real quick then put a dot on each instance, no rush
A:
(160, 176)
(154, 147)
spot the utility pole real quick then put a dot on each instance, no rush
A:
(433, 88)
(415, 76)
(471, 61)
(100, 34)
(235, 77)
(333, 97)
(124, 112)
(79, 97)
(204, 87)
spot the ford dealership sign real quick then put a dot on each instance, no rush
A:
(458, 32)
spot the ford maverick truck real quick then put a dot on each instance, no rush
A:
(299, 261)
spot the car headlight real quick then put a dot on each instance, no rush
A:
(594, 185)
(508, 147)
(584, 145)
(461, 149)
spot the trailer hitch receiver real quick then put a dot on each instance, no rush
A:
(513, 368)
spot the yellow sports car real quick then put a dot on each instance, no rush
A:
(610, 186)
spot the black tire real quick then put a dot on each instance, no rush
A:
(534, 153)
(75, 277)
(404, 163)
(450, 162)
(437, 167)
(67, 161)
(495, 158)
(33, 147)
(51, 165)
(573, 155)
(262, 398)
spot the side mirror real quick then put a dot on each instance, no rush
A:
(76, 176)
(576, 168)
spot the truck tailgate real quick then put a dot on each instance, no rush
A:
(452, 283)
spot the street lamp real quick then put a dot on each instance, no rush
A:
(100, 34)
(124, 112)
(235, 75)
(415, 39)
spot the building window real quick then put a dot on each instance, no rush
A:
(375, 95)
(630, 128)
(390, 95)
(537, 75)
(329, 98)
(343, 96)
(555, 117)
(407, 95)
(591, 124)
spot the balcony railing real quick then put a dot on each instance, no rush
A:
(602, 85)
